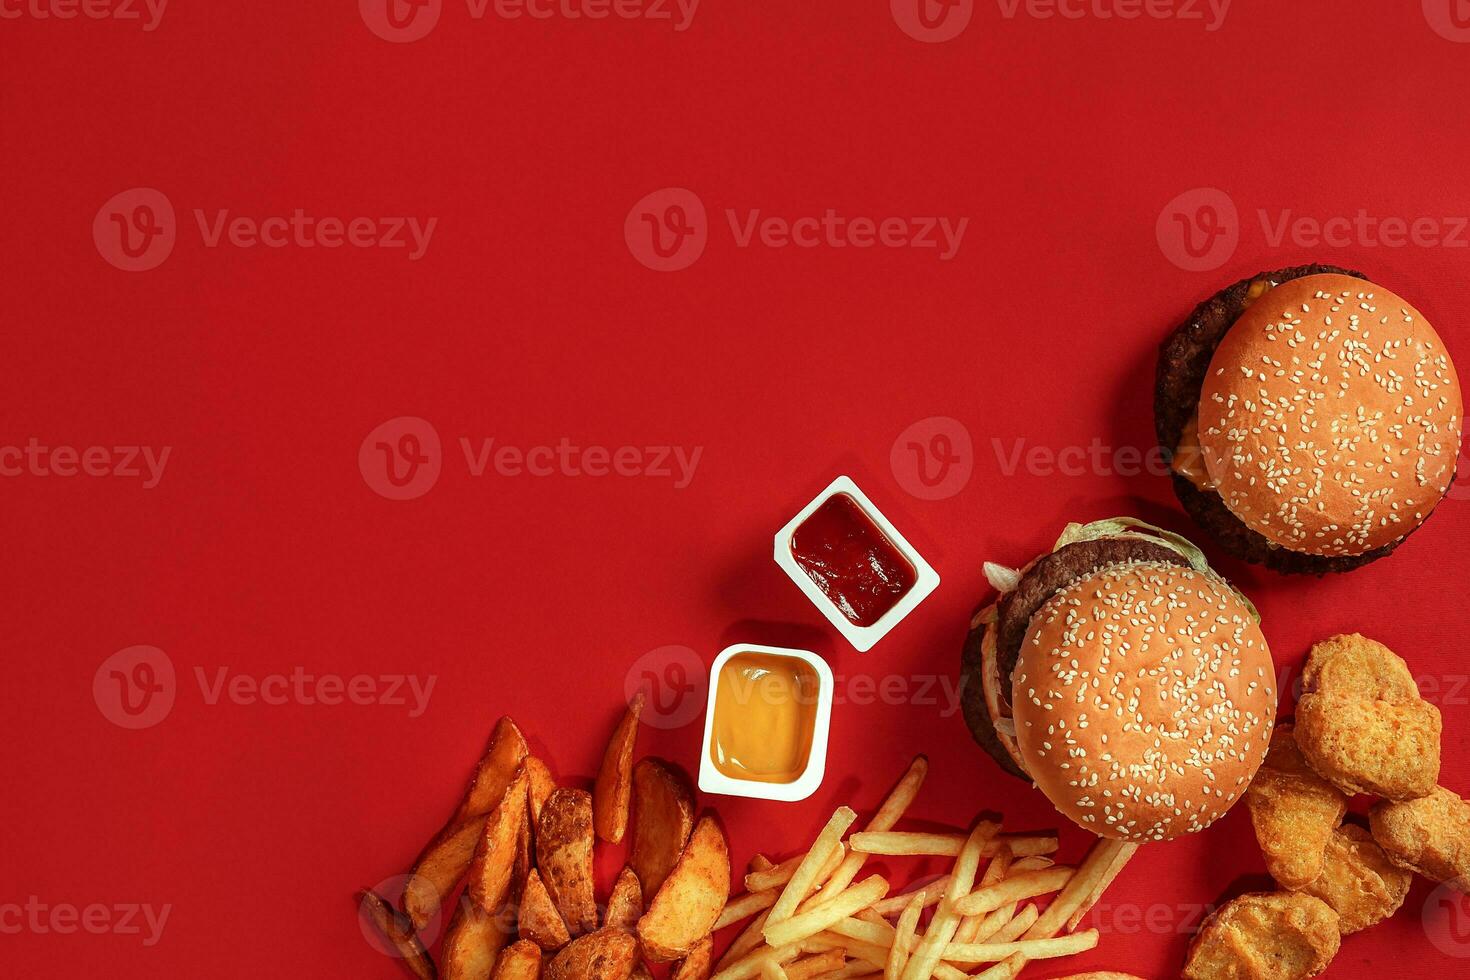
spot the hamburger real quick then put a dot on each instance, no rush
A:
(1125, 679)
(1312, 418)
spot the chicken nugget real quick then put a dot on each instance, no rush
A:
(1359, 881)
(1278, 936)
(1430, 836)
(1361, 723)
(1294, 812)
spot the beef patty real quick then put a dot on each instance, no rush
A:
(1045, 578)
(1184, 360)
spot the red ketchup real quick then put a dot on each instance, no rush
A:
(851, 560)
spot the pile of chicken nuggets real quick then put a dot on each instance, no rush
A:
(1361, 728)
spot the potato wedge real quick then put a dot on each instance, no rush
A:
(519, 961)
(396, 928)
(608, 954)
(474, 940)
(540, 922)
(543, 784)
(641, 972)
(663, 816)
(442, 863)
(687, 906)
(613, 790)
(564, 857)
(625, 904)
(493, 870)
(696, 966)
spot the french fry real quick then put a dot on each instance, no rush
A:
(1092, 870)
(1028, 884)
(780, 874)
(750, 937)
(818, 965)
(564, 857)
(946, 920)
(804, 879)
(696, 965)
(867, 952)
(1031, 949)
(1017, 926)
(625, 904)
(1123, 855)
(751, 963)
(903, 939)
(612, 793)
(539, 920)
(863, 931)
(970, 925)
(910, 844)
(771, 970)
(663, 816)
(899, 799)
(1009, 969)
(686, 908)
(798, 927)
(399, 931)
(759, 863)
(895, 904)
(745, 906)
(446, 858)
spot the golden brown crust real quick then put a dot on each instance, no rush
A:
(1359, 881)
(1330, 417)
(1294, 812)
(1280, 936)
(1144, 699)
(1361, 723)
(1430, 836)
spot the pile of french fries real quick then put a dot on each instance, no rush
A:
(524, 847)
(810, 916)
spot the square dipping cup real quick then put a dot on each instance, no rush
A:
(712, 779)
(926, 579)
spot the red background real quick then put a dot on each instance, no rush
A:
(528, 320)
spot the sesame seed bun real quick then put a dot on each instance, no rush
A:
(1330, 417)
(1144, 700)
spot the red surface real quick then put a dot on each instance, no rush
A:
(263, 549)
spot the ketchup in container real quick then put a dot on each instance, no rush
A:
(851, 560)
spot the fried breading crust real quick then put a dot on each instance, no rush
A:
(1361, 723)
(1430, 836)
(1294, 812)
(1280, 936)
(1360, 882)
